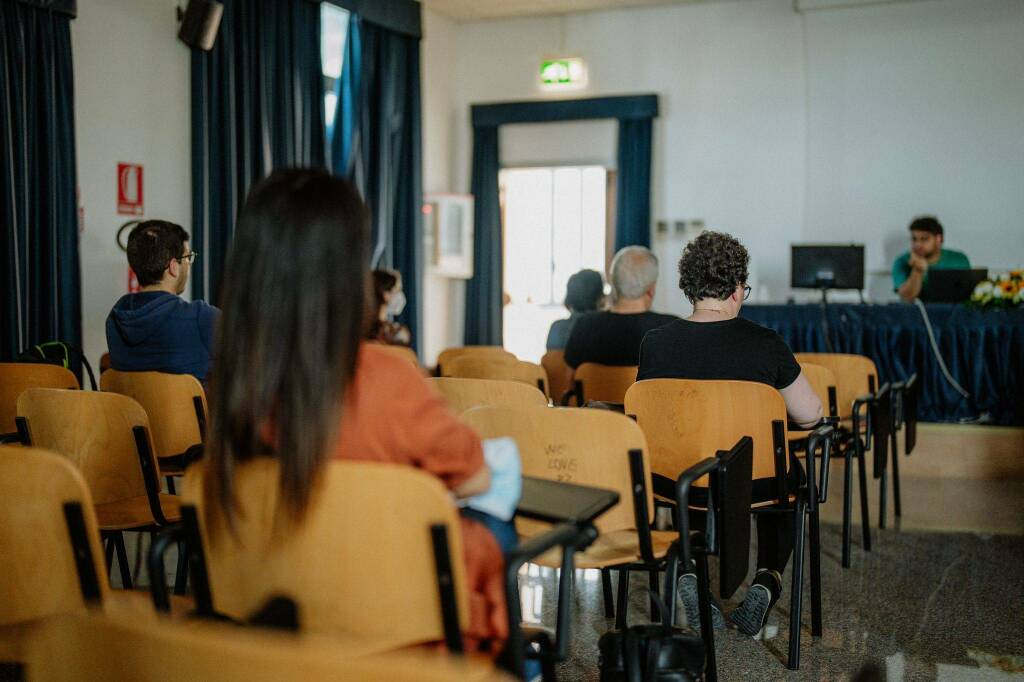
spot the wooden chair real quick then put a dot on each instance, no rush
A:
(398, 578)
(685, 419)
(15, 378)
(107, 437)
(88, 647)
(177, 411)
(856, 381)
(604, 383)
(558, 373)
(449, 354)
(498, 367)
(404, 352)
(462, 394)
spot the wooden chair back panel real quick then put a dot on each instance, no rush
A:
(449, 354)
(553, 363)
(497, 367)
(168, 402)
(94, 430)
(360, 562)
(462, 394)
(686, 421)
(851, 374)
(38, 575)
(606, 383)
(586, 447)
(404, 352)
(89, 647)
(16, 377)
(821, 379)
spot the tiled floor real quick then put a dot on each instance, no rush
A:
(923, 606)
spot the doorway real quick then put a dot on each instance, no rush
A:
(554, 223)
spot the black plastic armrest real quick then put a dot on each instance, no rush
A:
(820, 439)
(567, 535)
(862, 402)
(683, 485)
(164, 540)
(10, 438)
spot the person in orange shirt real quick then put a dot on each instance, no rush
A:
(297, 383)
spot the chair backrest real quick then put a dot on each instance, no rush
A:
(462, 394)
(499, 367)
(823, 381)
(553, 363)
(685, 419)
(16, 377)
(586, 447)
(38, 574)
(95, 430)
(855, 376)
(87, 647)
(170, 403)
(361, 561)
(606, 383)
(449, 354)
(404, 352)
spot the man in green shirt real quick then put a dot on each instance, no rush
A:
(910, 271)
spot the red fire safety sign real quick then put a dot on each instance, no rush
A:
(129, 189)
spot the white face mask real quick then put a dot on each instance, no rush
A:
(396, 304)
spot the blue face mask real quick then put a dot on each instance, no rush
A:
(396, 304)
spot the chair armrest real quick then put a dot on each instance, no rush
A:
(13, 438)
(820, 439)
(862, 402)
(683, 485)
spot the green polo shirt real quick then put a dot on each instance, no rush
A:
(948, 260)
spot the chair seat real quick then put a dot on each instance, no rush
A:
(134, 512)
(612, 549)
(138, 602)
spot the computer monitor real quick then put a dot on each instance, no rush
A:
(952, 286)
(827, 266)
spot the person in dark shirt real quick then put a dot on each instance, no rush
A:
(713, 343)
(155, 329)
(583, 294)
(613, 337)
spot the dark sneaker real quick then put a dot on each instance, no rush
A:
(691, 606)
(750, 616)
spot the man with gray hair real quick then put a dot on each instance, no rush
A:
(613, 337)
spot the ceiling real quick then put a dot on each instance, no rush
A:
(470, 10)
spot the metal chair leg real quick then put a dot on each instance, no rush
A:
(847, 507)
(122, 561)
(796, 599)
(606, 589)
(622, 603)
(865, 515)
(108, 553)
(707, 628)
(181, 572)
(653, 577)
(815, 533)
(883, 499)
(896, 480)
(671, 586)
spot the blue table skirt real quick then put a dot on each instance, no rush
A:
(984, 351)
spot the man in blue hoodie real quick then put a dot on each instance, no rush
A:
(155, 329)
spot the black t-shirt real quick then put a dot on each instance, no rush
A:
(611, 338)
(736, 349)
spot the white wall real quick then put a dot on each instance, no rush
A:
(783, 127)
(131, 105)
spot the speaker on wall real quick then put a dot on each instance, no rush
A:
(200, 22)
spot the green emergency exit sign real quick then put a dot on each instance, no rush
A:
(563, 73)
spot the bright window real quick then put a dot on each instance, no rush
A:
(333, 32)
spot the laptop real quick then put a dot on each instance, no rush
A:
(953, 286)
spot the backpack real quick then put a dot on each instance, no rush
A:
(60, 353)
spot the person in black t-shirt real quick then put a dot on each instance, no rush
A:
(612, 337)
(713, 343)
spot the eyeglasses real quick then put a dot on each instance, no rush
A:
(746, 292)
(190, 257)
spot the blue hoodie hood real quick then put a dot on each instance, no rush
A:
(137, 317)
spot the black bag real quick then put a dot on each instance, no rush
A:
(651, 653)
(60, 353)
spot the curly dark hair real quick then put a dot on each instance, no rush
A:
(712, 266)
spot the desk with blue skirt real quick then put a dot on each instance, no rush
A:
(983, 350)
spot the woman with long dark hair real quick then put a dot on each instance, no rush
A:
(296, 382)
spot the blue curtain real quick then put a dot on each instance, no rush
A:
(257, 105)
(376, 143)
(633, 185)
(41, 291)
(484, 290)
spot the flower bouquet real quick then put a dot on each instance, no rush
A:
(999, 292)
